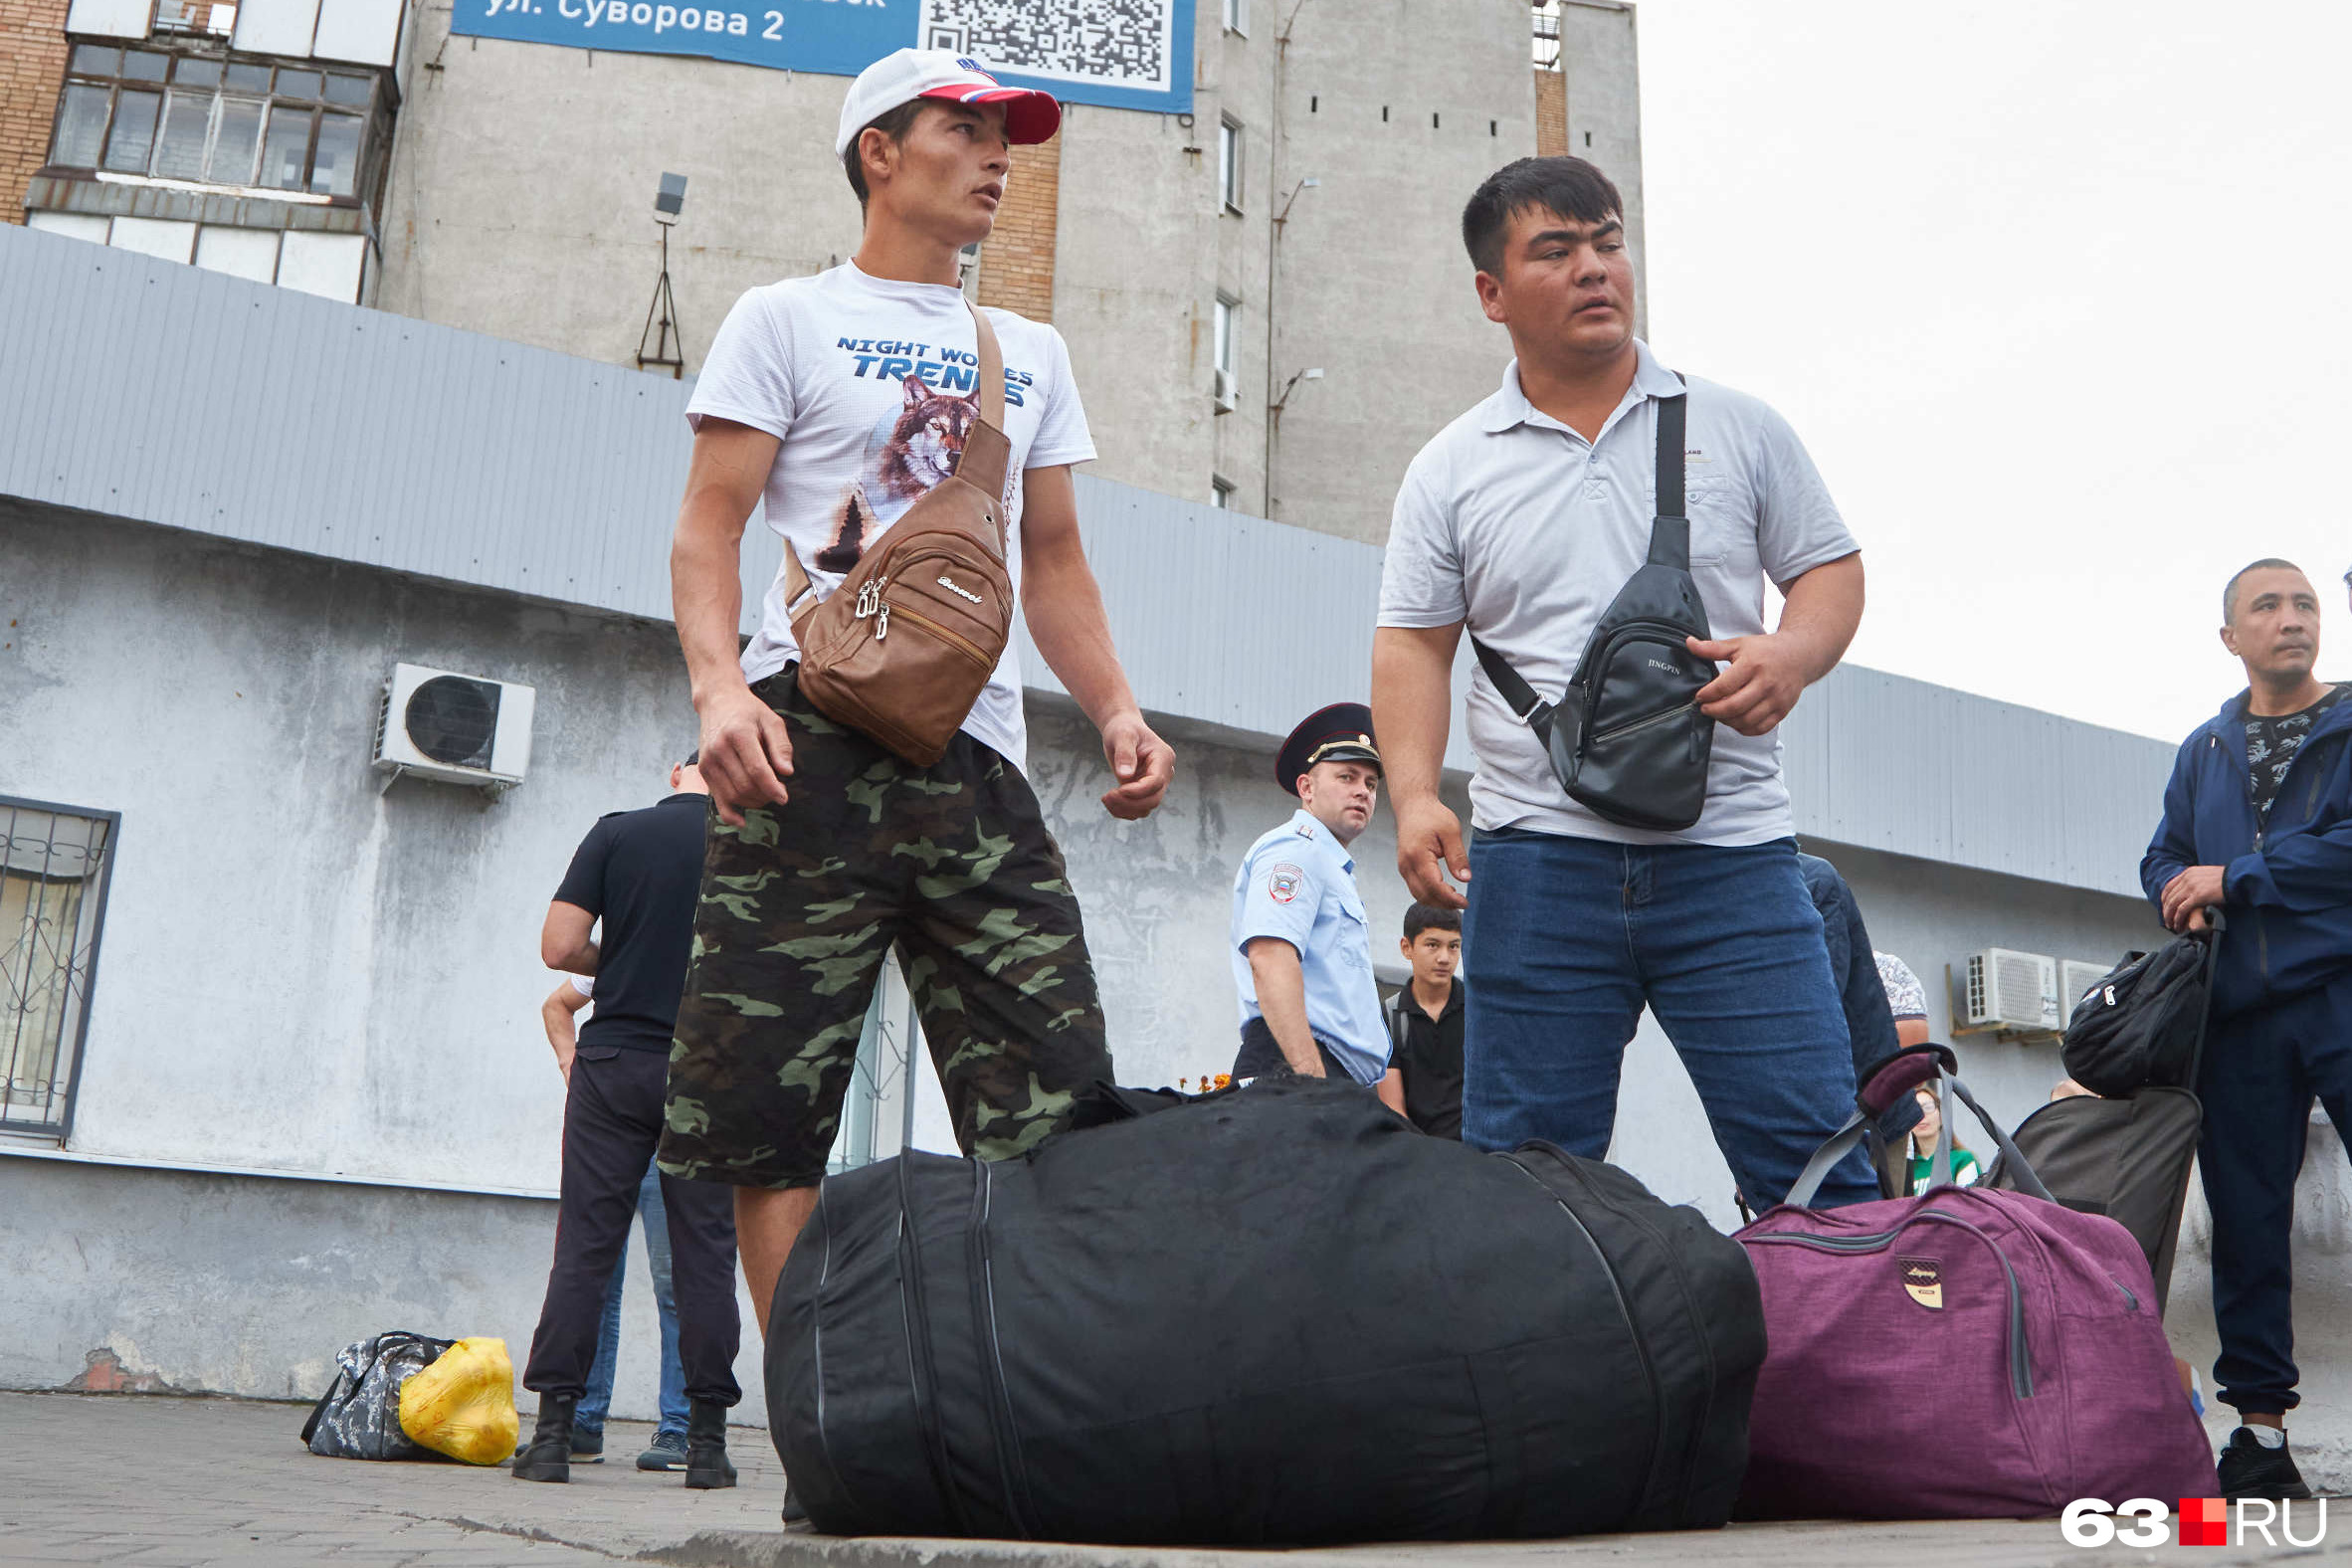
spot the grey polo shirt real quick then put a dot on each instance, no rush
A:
(1517, 526)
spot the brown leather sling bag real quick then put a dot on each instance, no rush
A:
(905, 646)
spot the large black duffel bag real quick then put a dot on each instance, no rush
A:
(1274, 1315)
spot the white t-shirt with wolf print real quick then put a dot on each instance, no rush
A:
(868, 385)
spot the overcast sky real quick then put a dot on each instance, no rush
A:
(2060, 296)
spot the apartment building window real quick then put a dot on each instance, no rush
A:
(216, 122)
(1236, 17)
(1229, 163)
(1221, 492)
(55, 861)
(1221, 336)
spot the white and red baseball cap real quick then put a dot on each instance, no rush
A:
(911, 74)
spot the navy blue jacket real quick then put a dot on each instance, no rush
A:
(2286, 887)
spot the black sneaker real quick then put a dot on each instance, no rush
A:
(668, 1453)
(794, 1513)
(587, 1446)
(2248, 1470)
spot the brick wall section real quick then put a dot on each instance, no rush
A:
(1551, 111)
(1017, 263)
(32, 70)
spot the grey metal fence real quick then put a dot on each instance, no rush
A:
(55, 864)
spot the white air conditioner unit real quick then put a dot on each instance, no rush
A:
(2075, 978)
(1228, 396)
(2003, 989)
(459, 730)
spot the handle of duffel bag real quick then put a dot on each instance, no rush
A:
(1900, 1074)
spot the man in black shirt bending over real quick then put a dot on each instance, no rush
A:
(638, 871)
(1425, 1024)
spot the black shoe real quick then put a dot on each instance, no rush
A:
(706, 1462)
(2248, 1470)
(587, 1446)
(549, 1455)
(668, 1453)
(794, 1513)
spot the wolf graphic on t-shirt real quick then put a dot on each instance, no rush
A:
(911, 450)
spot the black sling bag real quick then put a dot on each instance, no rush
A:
(1626, 739)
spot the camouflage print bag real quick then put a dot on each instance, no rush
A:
(358, 1417)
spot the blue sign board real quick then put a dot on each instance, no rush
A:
(1121, 53)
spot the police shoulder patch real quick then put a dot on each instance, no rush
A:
(1282, 883)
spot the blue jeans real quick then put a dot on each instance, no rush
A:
(588, 1419)
(1566, 938)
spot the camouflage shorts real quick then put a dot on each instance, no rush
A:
(952, 866)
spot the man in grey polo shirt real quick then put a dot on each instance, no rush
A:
(1522, 520)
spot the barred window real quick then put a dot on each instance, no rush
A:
(55, 863)
(221, 121)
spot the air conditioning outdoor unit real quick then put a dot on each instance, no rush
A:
(2004, 989)
(1228, 397)
(458, 729)
(2075, 978)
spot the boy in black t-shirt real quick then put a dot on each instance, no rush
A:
(1425, 1025)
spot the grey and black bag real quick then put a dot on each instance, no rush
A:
(358, 1417)
(1626, 739)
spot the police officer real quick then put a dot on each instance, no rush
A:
(1301, 948)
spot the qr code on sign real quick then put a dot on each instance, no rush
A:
(1112, 43)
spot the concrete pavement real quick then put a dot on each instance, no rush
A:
(168, 1483)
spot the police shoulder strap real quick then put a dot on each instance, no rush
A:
(1670, 545)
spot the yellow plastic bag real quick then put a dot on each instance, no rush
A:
(462, 1405)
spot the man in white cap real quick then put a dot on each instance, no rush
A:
(842, 399)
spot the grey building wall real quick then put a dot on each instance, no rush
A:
(522, 189)
(521, 183)
(1599, 57)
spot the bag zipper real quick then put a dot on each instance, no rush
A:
(992, 1377)
(1674, 1265)
(954, 639)
(915, 1320)
(1632, 1328)
(2021, 1370)
(1641, 723)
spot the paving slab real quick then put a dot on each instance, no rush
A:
(173, 1482)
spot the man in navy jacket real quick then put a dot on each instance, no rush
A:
(2258, 819)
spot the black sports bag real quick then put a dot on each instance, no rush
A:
(2143, 1024)
(1274, 1315)
(1626, 739)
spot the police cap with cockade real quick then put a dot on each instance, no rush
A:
(1342, 732)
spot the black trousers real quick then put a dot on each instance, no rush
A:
(1262, 1054)
(2262, 1070)
(612, 1118)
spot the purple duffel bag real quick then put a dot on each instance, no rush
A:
(1963, 1354)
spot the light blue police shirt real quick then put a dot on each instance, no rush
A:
(1299, 883)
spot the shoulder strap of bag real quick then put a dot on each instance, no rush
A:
(1670, 529)
(799, 592)
(1670, 545)
(2216, 925)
